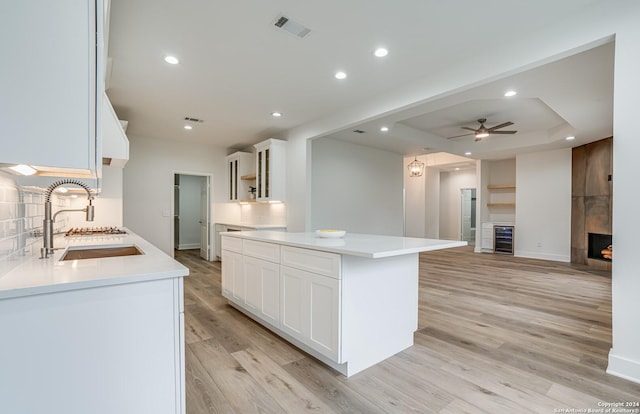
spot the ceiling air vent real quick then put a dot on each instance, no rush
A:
(358, 131)
(288, 25)
(188, 118)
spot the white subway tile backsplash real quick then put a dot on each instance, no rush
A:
(21, 216)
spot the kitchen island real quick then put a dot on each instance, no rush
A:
(350, 302)
(97, 335)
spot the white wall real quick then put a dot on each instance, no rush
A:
(500, 172)
(356, 188)
(108, 205)
(543, 205)
(422, 201)
(189, 214)
(451, 182)
(148, 184)
(570, 35)
(432, 203)
(415, 213)
(624, 358)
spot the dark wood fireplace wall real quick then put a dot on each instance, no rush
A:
(591, 195)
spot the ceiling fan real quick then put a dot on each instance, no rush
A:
(484, 132)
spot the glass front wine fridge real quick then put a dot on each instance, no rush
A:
(503, 239)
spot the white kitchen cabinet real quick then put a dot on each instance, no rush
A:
(239, 173)
(303, 304)
(487, 237)
(220, 228)
(51, 58)
(271, 167)
(310, 306)
(102, 350)
(232, 276)
(262, 288)
(350, 303)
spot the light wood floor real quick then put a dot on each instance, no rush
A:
(496, 334)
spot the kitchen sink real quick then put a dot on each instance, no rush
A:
(98, 252)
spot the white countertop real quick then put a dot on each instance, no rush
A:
(36, 276)
(363, 245)
(254, 226)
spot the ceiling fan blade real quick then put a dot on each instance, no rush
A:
(502, 132)
(470, 129)
(458, 136)
(506, 124)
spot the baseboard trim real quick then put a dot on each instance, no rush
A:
(189, 246)
(623, 367)
(543, 256)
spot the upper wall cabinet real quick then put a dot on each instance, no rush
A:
(51, 59)
(240, 175)
(271, 167)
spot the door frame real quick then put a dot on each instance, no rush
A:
(211, 227)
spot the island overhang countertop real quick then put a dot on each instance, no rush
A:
(354, 244)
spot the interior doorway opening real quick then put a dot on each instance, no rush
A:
(192, 213)
(468, 215)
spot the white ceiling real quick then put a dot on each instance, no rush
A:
(571, 96)
(236, 68)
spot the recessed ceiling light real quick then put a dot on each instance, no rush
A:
(381, 52)
(276, 114)
(340, 75)
(467, 153)
(570, 138)
(188, 127)
(457, 168)
(171, 60)
(74, 195)
(510, 93)
(384, 129)
(62, 190)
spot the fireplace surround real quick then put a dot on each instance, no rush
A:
(591, 206)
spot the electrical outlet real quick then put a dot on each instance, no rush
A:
(539, 244)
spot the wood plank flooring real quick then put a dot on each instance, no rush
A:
(497, 334)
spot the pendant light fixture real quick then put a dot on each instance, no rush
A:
(416, 168)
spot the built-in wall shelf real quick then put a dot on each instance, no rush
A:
(501, 204)
(501, 187)
(248, 177)
(501, 195)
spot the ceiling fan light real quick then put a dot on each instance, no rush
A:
(481, 134)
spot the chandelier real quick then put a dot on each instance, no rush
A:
(416, 168)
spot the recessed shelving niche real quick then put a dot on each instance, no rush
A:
(501, 195)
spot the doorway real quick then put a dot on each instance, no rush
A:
(468, 215)
(192, 213)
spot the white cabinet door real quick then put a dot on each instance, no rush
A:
(311, 311)
(232, 276)
(48, 105)
(262, 288)
(118, 347)
(487, 236)
(294, 309)
(239, 165)
(270, 170)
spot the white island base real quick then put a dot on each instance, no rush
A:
(350, 303)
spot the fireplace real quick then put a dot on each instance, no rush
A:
(597, 244)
